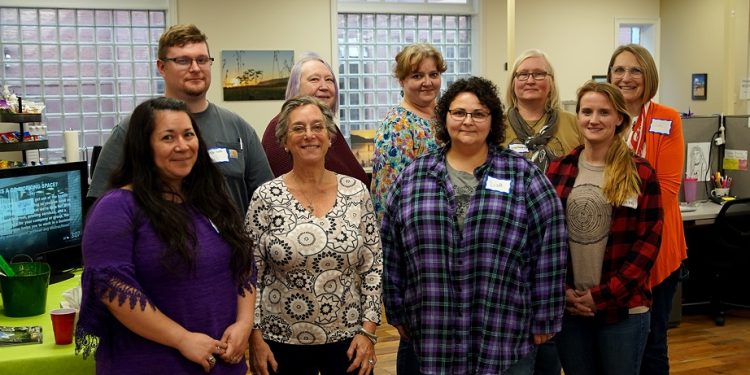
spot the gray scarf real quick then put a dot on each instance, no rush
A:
(539, 153)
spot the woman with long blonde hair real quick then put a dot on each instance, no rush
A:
(614, 215)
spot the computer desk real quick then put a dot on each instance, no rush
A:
(695, 290)
(44, 358)
(705, 212)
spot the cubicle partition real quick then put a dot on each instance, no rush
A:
(698, 131)
(737, 129)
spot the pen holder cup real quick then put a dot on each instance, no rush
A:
(25, 294)
(720, 192)
(690, 189)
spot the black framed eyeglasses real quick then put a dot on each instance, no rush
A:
(538, 76)
(185, 61)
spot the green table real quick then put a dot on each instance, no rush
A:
(44, 358)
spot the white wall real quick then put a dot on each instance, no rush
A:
(298, 25)
(700, 36)
(578, 35)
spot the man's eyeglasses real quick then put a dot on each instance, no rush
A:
(538, 76)
(619, 71)
(460, 115)
(185, 61)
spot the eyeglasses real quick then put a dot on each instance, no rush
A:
(460, 115)
(302, 129)
(185, 61)
(619, 71)
(538, 76)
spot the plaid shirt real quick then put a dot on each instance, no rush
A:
(472, 300)
(632, 245)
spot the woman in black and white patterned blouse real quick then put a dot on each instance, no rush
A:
(318, 255)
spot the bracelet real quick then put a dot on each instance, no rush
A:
(371, 336)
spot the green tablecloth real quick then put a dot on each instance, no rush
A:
(45, 358)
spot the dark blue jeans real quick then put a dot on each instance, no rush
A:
(547, 360)
(406, 359)
(589, 347)
(407, 362)
(656, 355)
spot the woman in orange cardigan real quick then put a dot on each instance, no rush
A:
(656, 135)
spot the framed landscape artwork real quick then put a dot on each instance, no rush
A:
(255, 75)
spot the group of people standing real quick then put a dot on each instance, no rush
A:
(498, 240)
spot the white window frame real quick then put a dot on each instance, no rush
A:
(54, 154)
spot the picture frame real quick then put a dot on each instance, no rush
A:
(699, 86)
(255, 75)
(599, 78)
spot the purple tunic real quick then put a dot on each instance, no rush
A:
(117, 248)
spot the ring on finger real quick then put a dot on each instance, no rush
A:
(211, 360)
(371, 362)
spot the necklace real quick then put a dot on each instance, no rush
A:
(309, 206)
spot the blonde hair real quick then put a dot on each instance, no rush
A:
(621, 179)
(553, 99)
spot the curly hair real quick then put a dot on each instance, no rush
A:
(486, 92)
(203, 190)
(282, 127)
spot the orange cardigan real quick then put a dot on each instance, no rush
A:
(666, 153)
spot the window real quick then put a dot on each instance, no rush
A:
(367, 45)
(638, 31)
(90, 67)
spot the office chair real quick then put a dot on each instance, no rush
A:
(731, 261)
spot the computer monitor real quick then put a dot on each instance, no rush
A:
(42, 214)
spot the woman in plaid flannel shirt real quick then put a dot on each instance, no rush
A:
(614, 213)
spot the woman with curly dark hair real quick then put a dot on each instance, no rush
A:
(474, 245)
(168, 281)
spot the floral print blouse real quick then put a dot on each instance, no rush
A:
(400, 138)
(318, 278)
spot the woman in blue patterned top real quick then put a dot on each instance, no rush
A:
(318, 255)
(474, 245)
(407, 129)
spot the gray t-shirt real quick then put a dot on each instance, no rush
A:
(589, 217)
(245, 165)
(464, 186)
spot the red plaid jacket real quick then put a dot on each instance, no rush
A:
(632, 245)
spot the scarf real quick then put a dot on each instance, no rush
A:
(539, 153)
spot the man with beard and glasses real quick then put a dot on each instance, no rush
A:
(184, 61)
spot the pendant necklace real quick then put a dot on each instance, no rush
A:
(309, 206)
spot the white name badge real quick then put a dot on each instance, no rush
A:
(497, 184)
(218, 155)
(661, 126)
(518, 147)
(631, 202)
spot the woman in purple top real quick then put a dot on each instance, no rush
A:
(168, 282)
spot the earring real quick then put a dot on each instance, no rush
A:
(286, 149)
(402, 93)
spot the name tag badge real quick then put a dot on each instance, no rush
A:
(496, 184)
(631, 202)
(661, 126)
(518, 147)
(218, 155)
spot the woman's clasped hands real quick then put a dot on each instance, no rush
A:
(579, 302)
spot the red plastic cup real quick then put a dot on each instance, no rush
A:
(690, 189)
(62, 324)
